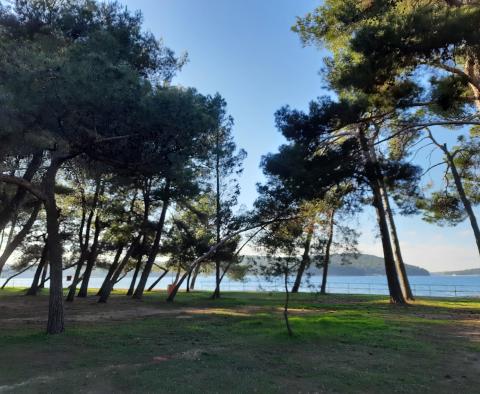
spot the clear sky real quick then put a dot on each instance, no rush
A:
(245, 50)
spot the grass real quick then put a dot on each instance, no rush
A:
(239, 344)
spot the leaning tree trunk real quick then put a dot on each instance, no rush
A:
(158, 280)
(177, 286)
(460, 190)
(112, 269)
(85, 223)
(285, 307)
(138, 266)
(305, 260)
(33, 290)
(463, 197)
(92, 257)
(397, 252)
(76, 279)
(18, 238)
(194, 277)
(401, 269)
(44, 277)
(55, 324)
(16, 202)
(328, 246)
(218, 215)
(213, 249)
(374, 176)
(155, 248)
(107, 289)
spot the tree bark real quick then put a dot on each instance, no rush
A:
(305, 259)
(155, 247)
(55, 324)
(326, 258)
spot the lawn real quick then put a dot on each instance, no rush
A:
(239, 344)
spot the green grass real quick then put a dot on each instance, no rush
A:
(239, 344)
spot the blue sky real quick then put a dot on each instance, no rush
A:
(245, 50)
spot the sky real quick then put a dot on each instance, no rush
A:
(246, 51)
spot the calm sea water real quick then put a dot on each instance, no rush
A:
(434, 285)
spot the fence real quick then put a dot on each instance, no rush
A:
(418, 289)
(260, 284)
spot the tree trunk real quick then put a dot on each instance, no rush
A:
(158, 280)
(176, 287)
(16, 274)
(397, 254)
(33, 290)
(210, 253)
(374, 175)
(146, 213)
(18, 239)
(76, 279)
(460, 190)
(55, 324)
(463, 197)
(44, 277)
(92, 258)
(83, 244)
(305, 259)
(131, 289)
(194, 277)
(187, 288)
(218, 218)
(326, 258)
(16, 202)
(106, 291)
(112, 269)
(155, 247)
(285, 308)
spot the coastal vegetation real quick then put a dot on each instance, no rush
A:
(107, 163)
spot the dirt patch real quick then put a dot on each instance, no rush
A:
(19, 310)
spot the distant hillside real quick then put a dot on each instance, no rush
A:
(363, 265)
(474, 271)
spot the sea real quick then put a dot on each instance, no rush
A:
(431, 286)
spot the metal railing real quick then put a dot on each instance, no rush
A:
(420, 289)
(257, 284)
